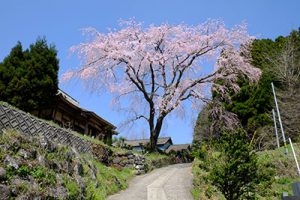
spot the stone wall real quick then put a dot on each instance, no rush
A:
(11, 118)
(130, 160)
(140, 163)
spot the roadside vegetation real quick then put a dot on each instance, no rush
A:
(230, 169)
(216, 168)
(36, 167)
(276, 172)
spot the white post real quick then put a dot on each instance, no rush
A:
(279, 119)
(294, 156)
(275, 127)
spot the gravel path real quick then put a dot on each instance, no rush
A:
(168, 183)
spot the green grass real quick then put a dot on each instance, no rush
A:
(283, 165)
(108, 180)
(202, 188)
(111, 179)
(72, 187)
(155, 156)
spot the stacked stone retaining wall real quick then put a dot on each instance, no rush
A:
(130, 160)
(11, 118)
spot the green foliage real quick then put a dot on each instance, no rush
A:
(202, 185)
(275, 172)
(94, 192)
(202, 127)
(254, 102)
(236, 175)
(23, 171)
(199, 150)
(10, 172)
(72, 187)
(44, 175)
(38, 173)
(28, 78)
(156, 160)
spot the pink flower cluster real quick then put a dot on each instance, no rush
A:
(163, 64)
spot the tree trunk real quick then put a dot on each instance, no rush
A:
(153, 142)
(155, 133)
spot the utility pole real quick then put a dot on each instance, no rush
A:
(279, 119)
(297, 164)
(275, 127)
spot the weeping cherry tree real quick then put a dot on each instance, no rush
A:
(163, 69)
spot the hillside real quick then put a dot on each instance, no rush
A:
(281, 167)
(39, 159)
(36, 167)
(251, 107)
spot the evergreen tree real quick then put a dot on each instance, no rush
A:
(28, 79)
(236, 174)
(279, 61)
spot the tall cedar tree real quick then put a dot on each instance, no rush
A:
(28, 79)
(254, 103)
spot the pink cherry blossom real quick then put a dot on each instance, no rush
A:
(163, 66)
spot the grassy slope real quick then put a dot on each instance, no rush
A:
(285, 174)
(108, 180)
(99, 180)
(285, 167)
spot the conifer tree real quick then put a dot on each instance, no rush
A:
(28, 78)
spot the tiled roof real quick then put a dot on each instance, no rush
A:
(75, 104)
(160, 141)
(178, 147)
(68, 97)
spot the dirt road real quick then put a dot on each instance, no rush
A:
(168, 183)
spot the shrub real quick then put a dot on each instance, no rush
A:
(237, 172)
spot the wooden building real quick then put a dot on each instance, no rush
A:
(67, 113)
(163, 143)
(179, 148)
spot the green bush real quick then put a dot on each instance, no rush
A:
(237, 172)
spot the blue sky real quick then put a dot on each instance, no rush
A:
(60, 22)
